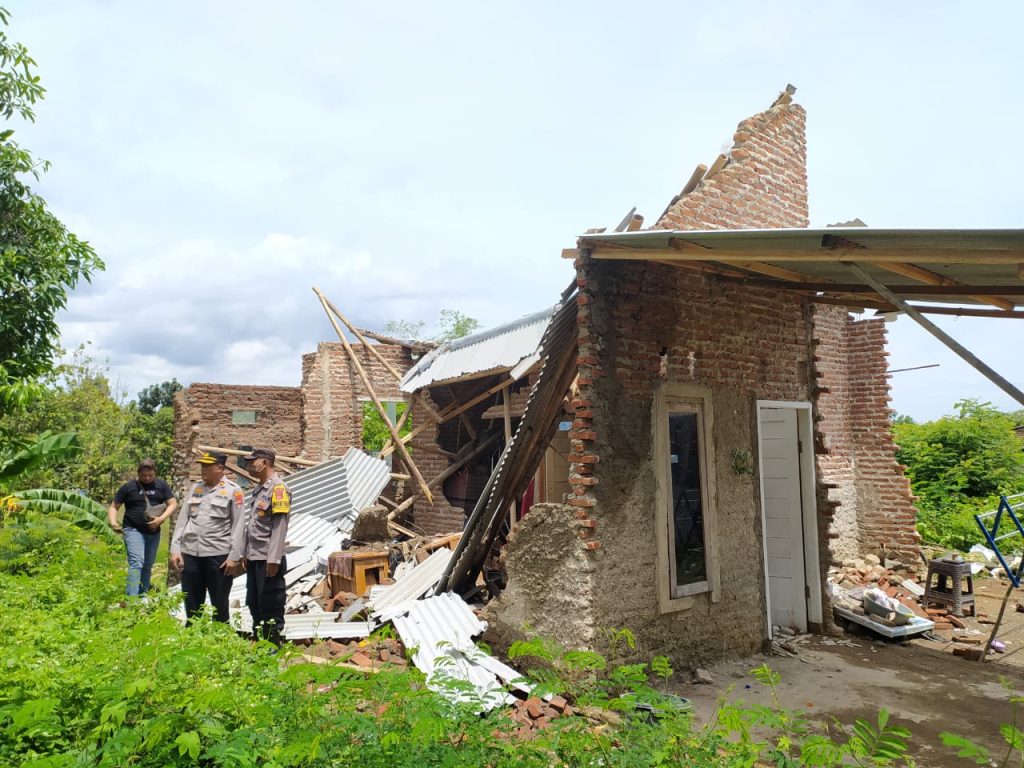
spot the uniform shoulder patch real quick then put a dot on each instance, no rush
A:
(280, 503)
(239, 497)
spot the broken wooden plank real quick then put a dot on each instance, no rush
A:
(377, 355)
(234, 452)
(447, 414)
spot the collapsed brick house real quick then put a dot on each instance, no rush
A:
(682, 446)
(730, 440)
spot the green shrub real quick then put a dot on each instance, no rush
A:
(91, 680)
(959, 466)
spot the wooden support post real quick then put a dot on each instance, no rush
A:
(376, 401)
(507, 402)
(386, 449)
(940, 334)
(463, 418)
(999, 622)
(369, 348)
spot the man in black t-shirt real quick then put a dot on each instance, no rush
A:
(148, 502)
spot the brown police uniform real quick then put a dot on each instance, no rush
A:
(269, 507)
(210, 530)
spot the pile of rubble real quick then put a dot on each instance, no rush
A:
(848, 582)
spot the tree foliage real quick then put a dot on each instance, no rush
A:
(959, 465)
(111, 436)
(454, 325)
(451, 324)
(157, 396)
(40, 260)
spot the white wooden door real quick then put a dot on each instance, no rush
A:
(783, 518)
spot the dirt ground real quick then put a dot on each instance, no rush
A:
(920, 682)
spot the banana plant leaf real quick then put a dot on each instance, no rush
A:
(68, 505)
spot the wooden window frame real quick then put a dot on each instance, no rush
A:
(681, 398)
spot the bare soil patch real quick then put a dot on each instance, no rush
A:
(920, 682)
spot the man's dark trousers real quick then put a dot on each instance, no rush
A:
(202, 575)
(265, 596)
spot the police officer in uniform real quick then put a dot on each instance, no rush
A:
(265, 534)
(208, 538)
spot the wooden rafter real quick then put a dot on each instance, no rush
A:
(681, 250)
(931, 278)
(780, 272)
(881, 306)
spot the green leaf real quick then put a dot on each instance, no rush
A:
(188, 743)
(966, 748)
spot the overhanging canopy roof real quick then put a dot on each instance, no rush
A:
(946, 266)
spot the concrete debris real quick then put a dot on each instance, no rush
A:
(703, 677)
(371, 525)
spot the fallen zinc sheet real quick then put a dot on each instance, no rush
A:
(441, 630)
(335, 491)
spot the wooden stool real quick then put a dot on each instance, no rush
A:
(361, 571)
(951, 594)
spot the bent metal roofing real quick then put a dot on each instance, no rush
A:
(944, 266)
(492, 351)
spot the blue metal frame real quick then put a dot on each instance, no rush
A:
(992, 535)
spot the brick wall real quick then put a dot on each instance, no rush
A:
(202, 416)
(884, 501)
(333, 395)
(641, 324)
(763, 185)
(650, 324)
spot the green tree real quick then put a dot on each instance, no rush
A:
(404, 329)
(451, 324)
(40, 260)
(157, 396)
(454, 325)
(959, 465)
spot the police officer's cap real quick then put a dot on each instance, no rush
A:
(213, 457)
(262, 453)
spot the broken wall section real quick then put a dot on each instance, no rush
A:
(230, 416)
(550, 587)
(333, 395)
(873, 505)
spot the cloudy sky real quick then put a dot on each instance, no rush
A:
(224, 157)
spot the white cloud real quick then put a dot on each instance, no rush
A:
(225, 157)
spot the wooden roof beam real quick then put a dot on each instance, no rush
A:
(931, 278)
(681, 250)
(882, 306)
(780, 272)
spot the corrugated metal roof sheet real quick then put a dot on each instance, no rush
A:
(916, 264)
(308, 530)
(810, 239)
(367, 478)
(414, 584)
(336, 490)
(522, 455)
(441, 630)
(318, 490)
(492, 351)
